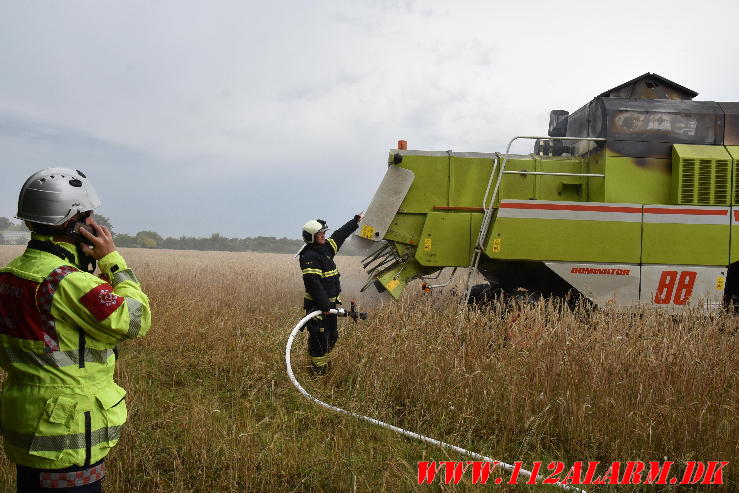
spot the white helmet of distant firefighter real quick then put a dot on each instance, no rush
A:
(313, 227)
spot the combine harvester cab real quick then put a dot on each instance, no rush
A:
(630, 200)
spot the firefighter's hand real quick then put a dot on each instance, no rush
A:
(358, 216)
(102, 240)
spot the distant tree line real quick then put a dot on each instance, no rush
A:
(216, 242)
(8, 225)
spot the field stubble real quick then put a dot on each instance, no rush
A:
(211, 408)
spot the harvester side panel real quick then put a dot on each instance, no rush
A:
(468, 174)
(406, 228)
(566, 231)
(734, 250)
(604, 284)
(679, 286)
(553, 187)
(686, 235)
(445, 240)
(517, 186)
(663, 285)
(597, 185)
(431, 183)
(640, 181)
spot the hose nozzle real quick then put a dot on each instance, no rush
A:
(353, 313)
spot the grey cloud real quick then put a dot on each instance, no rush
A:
(195, 115)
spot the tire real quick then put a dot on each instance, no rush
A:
(481, 294)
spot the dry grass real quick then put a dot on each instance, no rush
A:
(211, 408)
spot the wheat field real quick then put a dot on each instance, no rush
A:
(211, 407)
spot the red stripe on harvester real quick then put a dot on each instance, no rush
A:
(571, 207)
(736, 216)
(689, 212)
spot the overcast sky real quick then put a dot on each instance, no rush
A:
(249, 118)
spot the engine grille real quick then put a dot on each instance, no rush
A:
(703, 181)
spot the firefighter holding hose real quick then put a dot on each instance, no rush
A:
(322, 286)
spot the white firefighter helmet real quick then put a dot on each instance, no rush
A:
(312, 227)
(53, 195)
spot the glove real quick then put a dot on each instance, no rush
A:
(358, 217)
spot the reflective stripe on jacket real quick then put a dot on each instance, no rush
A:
(58, 330)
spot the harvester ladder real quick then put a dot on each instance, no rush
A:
(489, 209)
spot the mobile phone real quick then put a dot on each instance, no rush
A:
(80, 225)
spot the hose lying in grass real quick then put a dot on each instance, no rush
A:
(343, 313)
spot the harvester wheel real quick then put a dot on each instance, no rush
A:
(481, 294)
(487, 294)
(731, 294)
(732, 303)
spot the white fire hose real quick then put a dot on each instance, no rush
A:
(343, 313)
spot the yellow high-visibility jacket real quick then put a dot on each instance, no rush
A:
(58, 330)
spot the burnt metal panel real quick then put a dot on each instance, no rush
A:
(648, 127)
(640, 125)
(731, 123)
(686, 122)
(577, 122)
(558, 123)
(639, 148)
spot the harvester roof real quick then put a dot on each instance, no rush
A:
(650, 86)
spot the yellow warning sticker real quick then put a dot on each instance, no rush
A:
(427, 244)
(496, 245)
(720, 282)
(367, 232)
(392, 284)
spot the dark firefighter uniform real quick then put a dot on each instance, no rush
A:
(322, 289)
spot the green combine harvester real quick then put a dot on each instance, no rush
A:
(633, 199)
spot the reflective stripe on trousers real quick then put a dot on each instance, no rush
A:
(319, 361)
